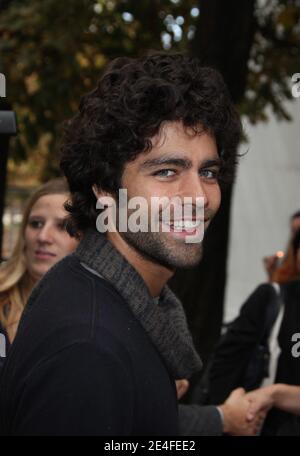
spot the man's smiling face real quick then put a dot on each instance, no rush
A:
(180, 164)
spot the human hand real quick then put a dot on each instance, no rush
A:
(182, 386)
(237, 420)
(261, 401)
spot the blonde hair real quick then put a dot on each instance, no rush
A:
(15, 281)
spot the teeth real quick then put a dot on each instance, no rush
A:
(186, 225)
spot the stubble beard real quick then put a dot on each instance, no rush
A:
(159, 249)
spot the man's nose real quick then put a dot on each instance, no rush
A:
(46, 234)
(193, 187)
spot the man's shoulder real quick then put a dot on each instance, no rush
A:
(68, 287)
(66, 275)
(69, 304)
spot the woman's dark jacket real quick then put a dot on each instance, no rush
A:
(234, 352)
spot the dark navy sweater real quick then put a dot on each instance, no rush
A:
(82, 364)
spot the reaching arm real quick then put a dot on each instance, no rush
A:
(230, 418)
(282, 396)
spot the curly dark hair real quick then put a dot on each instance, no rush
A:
(117, 120)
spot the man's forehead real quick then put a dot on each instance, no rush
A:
(174, 143)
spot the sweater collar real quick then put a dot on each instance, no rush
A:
(165, 322)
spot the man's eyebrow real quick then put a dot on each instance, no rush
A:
(184, 163)
(181, 162)
(215, 162)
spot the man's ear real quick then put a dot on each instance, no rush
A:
(106, 198)
(98, 192)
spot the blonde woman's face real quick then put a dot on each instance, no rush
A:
(46, 239)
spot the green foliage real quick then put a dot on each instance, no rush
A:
(52, 52)
(275, 57)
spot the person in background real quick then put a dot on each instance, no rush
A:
(282, 273)
(42, 242)
(234, 353)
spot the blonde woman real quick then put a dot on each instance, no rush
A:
(42, 242)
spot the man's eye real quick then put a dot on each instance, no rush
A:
(209, 174)
(165, 173)
(35, 224)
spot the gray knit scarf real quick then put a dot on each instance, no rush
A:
(165, 322)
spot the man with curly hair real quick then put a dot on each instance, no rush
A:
(103, 338)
